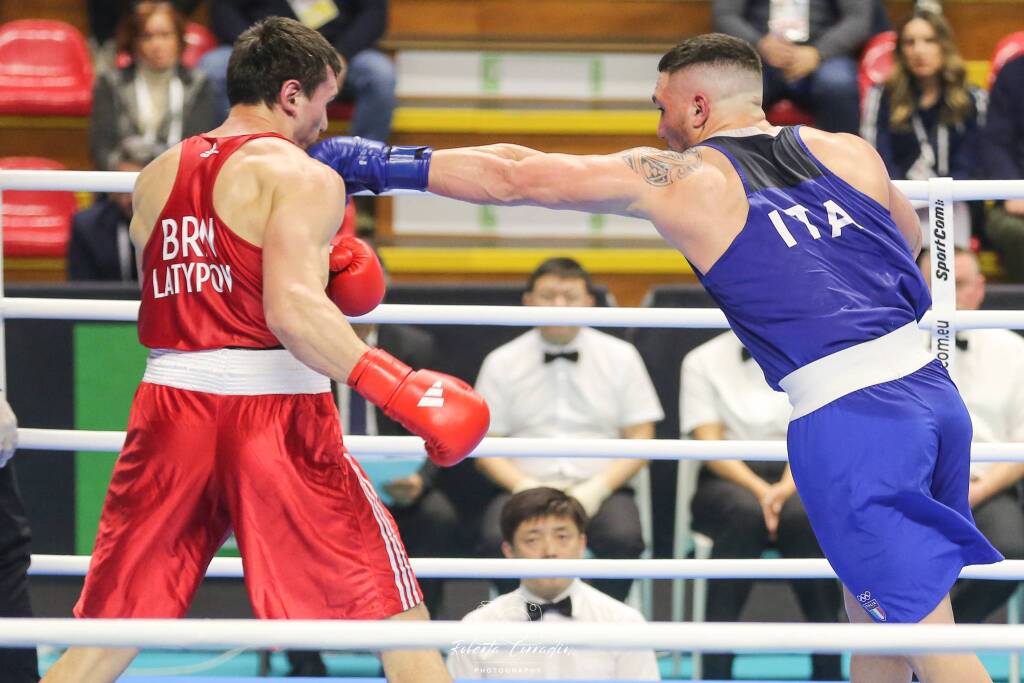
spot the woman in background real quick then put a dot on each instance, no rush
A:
(154, 99)
(925, 120)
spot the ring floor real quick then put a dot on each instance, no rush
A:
(197, 667)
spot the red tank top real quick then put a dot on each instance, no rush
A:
(202, 285)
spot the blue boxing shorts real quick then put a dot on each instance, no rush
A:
(883, 472)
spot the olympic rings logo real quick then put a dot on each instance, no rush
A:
(864, 597)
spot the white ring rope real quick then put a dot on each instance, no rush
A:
(509, 316)
(115, 181)
(501, 568)
(379, 447)
(223, 634)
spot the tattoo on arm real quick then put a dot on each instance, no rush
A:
(661, 167)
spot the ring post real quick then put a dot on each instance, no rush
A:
(943, 272)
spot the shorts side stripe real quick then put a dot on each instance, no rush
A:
(398, 559)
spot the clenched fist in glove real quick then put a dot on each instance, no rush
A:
(443, 410)
(356, 282)
(370, 165)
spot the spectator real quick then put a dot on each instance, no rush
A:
(353, 27)
(155, 98)
(1001, 155)
(989, 371)
(747, 507)
(543, 523)
(100, 248)
(104, 17)
(925, 120)
(809, 50)
(570, 382)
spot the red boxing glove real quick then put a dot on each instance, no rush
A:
(443, 410)
(356, 282)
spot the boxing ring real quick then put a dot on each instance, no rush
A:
(225, 634)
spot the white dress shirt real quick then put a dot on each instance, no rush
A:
(990, 376)
(607, 389)
(497, 660)
(718, 386)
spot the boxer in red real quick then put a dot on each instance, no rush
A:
(233, 426)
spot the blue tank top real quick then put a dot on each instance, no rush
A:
(818, 266)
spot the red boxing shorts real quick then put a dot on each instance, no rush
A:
(316, 541)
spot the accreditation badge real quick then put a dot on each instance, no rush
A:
(314, 13)
(790, 19)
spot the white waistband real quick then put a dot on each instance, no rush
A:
(234, 372)
(884, 359)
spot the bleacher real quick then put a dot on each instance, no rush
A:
(570, 76)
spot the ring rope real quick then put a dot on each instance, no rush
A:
(378, 447)
(120, 181)
(224, 634)
(508, 316)
(501, 568)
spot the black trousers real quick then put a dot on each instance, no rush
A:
(16, 665)
(1001, 519)
(429, 528)
(613, 533)
(731, 516)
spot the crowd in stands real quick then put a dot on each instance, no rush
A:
(923, 117)
(160, 77)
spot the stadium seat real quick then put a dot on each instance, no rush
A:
(785, 113)
(876, 61)
(198, 41)
(36, 224)
(340, 111)
(45, 69)
(1010, 47)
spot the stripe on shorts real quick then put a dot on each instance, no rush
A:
(404, 579)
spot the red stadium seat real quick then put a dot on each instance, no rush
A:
(785, 113)
(198, 41)
(1010, 47)
(340, 111)
(36, 224)
(876, 61)
(45, 69)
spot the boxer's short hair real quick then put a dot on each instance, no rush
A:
(711, 49)
(275, 50)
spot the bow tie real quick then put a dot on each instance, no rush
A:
(571, 356)
(961, 343)
(744, 354)
(535, 612)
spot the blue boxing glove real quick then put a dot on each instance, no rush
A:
(375, 166)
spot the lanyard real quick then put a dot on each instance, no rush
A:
(175, 106)
(938, 164)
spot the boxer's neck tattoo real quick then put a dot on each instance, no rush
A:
(661, 167)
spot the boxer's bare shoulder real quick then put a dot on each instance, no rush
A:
(152, 188)
(258, 174)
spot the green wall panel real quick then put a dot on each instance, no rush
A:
(109, 362)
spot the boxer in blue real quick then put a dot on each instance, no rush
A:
(809, 249)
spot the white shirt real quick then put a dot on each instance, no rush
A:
(990, 376)
(494, 661)
(606, 390)
(718, 386)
